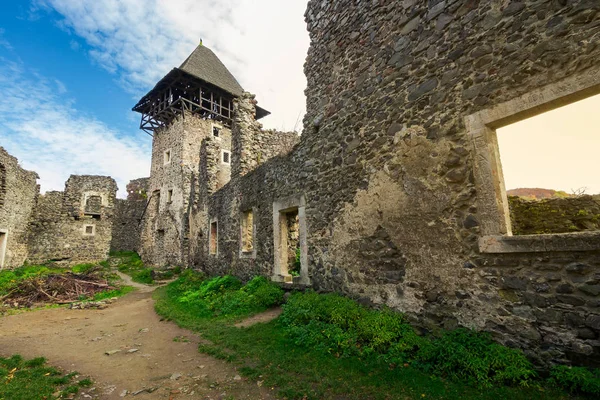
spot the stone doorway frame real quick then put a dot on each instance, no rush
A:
(492, 201)
(280, 209)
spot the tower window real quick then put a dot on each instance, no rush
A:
(226, 157)
(216, 131)
(167, 157)
(89, 230)
(170, 196)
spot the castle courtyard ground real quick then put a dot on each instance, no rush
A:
(78, 340)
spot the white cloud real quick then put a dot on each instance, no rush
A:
(263, 43)
(43, 129)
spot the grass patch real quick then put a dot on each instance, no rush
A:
(32, 379)
(130, 263)
(109, 294)
(329, 347)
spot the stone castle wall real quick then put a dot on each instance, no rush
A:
(18, 192)
(385, 178)
(127, 224)
(74, 226)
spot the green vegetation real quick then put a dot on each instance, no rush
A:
(10, 279)
(554, 215)
(131, 264)
(223, 297)
(21, 284)
(294, 270)
(328, 346)
(339, 326)
(109, 294)
(33, 379)
(576, 379)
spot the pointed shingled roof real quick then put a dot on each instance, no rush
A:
(205, 65)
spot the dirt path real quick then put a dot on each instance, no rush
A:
(149, 358)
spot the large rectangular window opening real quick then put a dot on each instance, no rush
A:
(550, 164)
(544, 143)
(290, 234)
(3, 245)
(213, 239)
(247, 233)
(93, 205)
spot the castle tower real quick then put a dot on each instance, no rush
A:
(191, 105)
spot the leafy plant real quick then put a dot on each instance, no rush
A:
(473, 357)
(576, 379)
(340, 326)
(224, 296)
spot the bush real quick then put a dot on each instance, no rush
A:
(342, 327)
(576, 379)
(143, 276)
(263, 292)
(224, 295)
(474, 358)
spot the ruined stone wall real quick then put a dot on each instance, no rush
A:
(554, 215)
(271, 143)
(252, 145)
(128, 217)
(385, 166)
(18, 192)
(74, 226)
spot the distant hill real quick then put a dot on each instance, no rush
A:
(537, 193)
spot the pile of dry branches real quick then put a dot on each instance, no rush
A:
(55, 289)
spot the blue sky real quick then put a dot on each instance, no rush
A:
(70, 71)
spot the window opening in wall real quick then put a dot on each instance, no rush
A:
(550, 164)
(89, 230)
(3, 245)
(213, 238)
(247, 232)
(216, 131)
(170, 196)
(93, 206)
(226, 157)
(487, 127)
(167, 157)
(289, 246)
